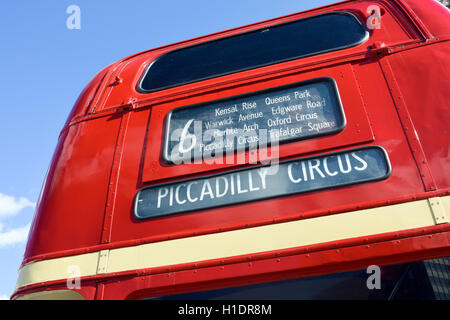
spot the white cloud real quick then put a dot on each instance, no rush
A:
(10, 206)
(4, 297)
(14, 236)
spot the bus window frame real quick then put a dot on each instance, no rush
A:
(366, 37)
(351, 135)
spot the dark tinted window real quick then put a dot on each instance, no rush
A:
(254, 49)
(420, 280)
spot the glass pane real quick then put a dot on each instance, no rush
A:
(419, 280)
(254, 49)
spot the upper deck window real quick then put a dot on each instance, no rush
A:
(282, 42)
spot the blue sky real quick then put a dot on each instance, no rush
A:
(44, 66)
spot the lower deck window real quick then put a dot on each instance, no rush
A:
(420, 280)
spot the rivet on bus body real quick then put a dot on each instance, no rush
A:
(378, 44)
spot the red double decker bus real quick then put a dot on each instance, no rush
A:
(302, 157)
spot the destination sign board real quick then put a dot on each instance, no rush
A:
(299, 111)
(263, 182)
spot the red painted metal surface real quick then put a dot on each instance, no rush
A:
(326, 258)
(394, 90)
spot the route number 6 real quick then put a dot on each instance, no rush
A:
(185, 135)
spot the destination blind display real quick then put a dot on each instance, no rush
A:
(259, 183)
(305, 110)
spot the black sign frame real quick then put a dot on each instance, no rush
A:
(209, 176)
(330, 80)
